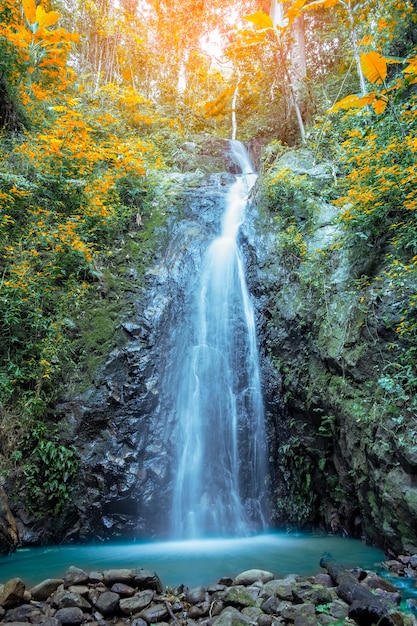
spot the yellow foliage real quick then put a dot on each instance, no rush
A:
(410, 70)
(260, 19)
(379, 104)
(374, 66)
(29, 9)
(321, 4)
(353, 102)
(295, 10)
(45, 19)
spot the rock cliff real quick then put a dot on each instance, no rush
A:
(343, 451)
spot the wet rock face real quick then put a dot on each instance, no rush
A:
(121, 429)
(125, 433)
(339, 461)
(254, 598)
(9, 538)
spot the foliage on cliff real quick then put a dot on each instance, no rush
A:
(346, 226)
(98, 99)
(77, 169)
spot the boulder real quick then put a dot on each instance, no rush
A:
(271, 605)
(252, 613)
(107, 603)
(301, 614)
(50, 621)
(82, 590)
(112, 576)
(96, 577)
(253, 575)
(154, 613)
(12, 594)
(339, 609)
(138, 621)
(230, 616)
(136, 603)
(199, 610)
(64, 598)
(146, 579)
(46, 588)
(70, 616)
(195, 595)
(316, 594)
(24, 613)
(125, 591)
(281, 588)
(238, 596)
(75, 576)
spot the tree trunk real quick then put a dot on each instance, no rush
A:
(356, 53)
(299, 51)
(234, 101)
(293, 75)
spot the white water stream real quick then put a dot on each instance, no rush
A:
(220, 445)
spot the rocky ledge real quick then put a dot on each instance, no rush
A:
(254, 598)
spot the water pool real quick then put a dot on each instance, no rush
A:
(197, 562)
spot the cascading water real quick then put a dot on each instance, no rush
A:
(220, 445)
(203, 414)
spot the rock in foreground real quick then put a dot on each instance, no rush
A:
(136, 597)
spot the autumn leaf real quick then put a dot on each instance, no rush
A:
(353, 102)
(260, 19)
(321, 4)
(29, 9)
(295, 10)
(374, 66)
(411, 71)
(380, 104)
(45, 19)
(376, 100)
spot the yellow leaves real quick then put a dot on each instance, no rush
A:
(42, 54)
(410, 71)
(37, 15)
(350, 102)
(382, 24)
(295, 10)
(217, 106)
(260, 20)
(39, 92)
(374, 67)
(321, 4)
(377, 101)
(45, 19)
(29, 9)
(366, 41)
(379, 104)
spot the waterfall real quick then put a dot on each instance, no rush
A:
(219, 446)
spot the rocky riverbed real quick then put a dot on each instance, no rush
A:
(253, 598)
